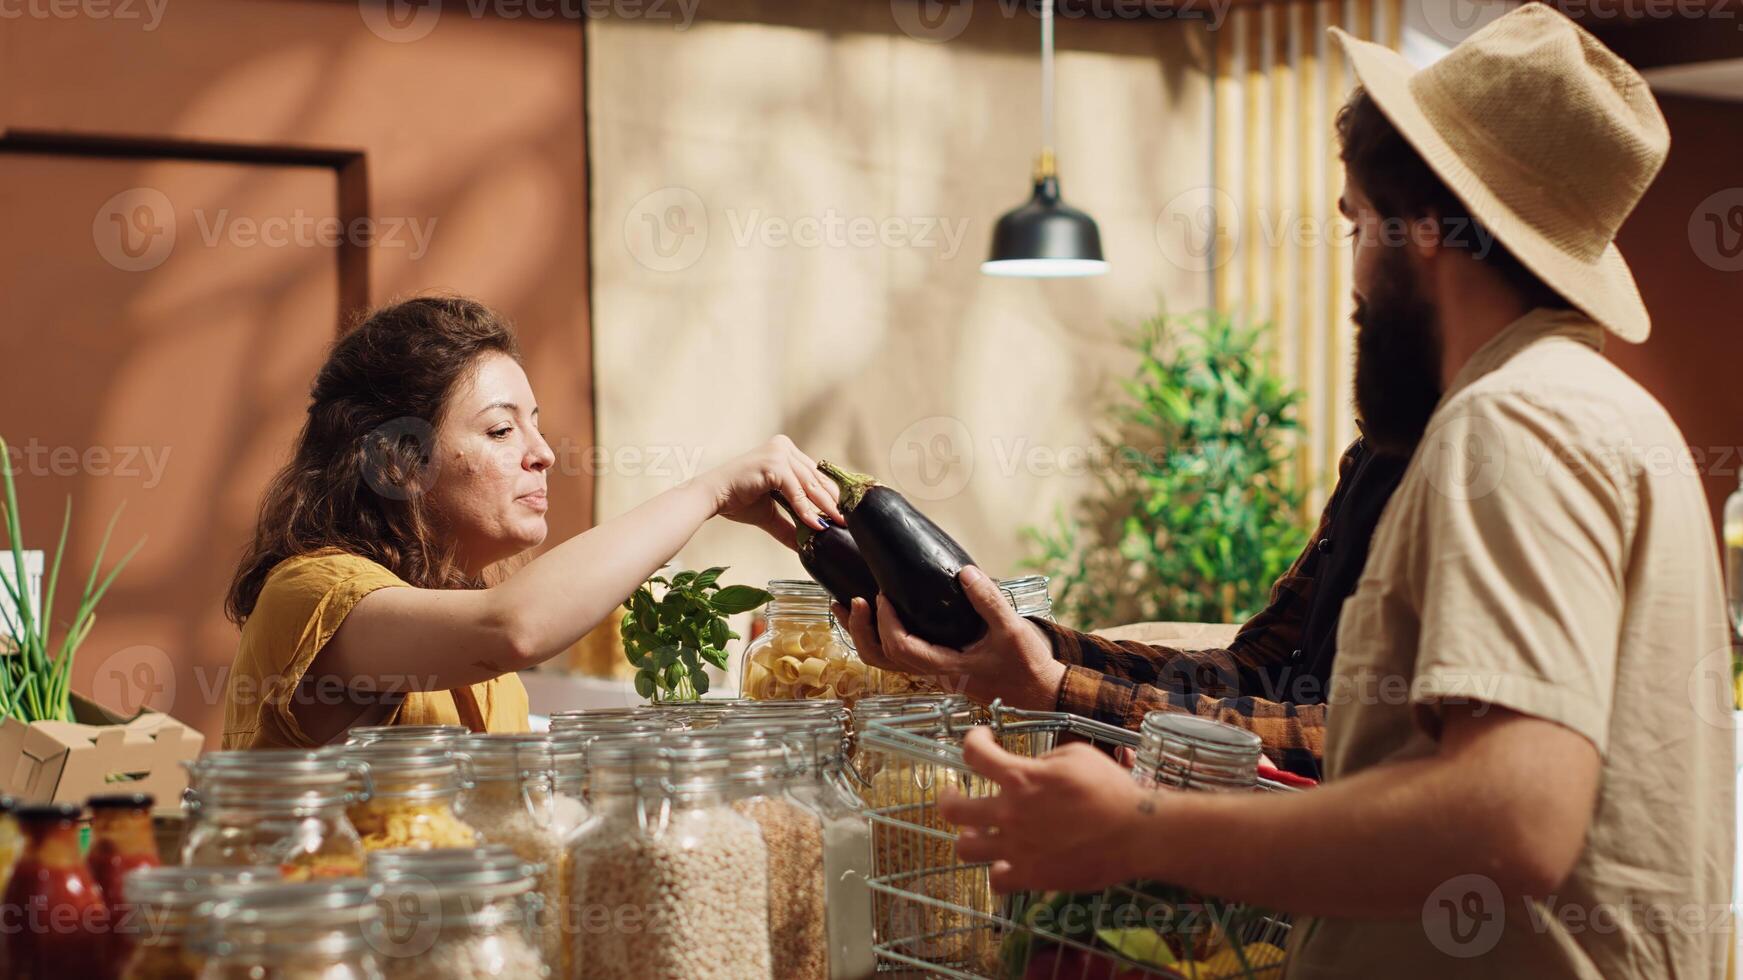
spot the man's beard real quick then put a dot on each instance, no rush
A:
(1397, 360)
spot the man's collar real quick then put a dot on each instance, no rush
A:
(1536, 325)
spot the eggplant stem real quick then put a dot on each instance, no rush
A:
(853, 485)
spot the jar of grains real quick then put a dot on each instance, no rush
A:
(516, 801)
(803, 653)
(406, 734)
(763, 767)
(670, 882)
(278, 808)
(460, 914)
(847, 855)
(166, 904)
(820, 783)
(416, 798)
(312, 930)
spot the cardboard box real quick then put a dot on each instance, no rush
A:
(102, 752)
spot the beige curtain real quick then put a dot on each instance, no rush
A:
(790, 203)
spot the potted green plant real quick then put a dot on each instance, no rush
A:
(671, 638)
(1199, 511)
(55, 745)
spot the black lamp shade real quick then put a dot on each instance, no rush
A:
(1044, 238)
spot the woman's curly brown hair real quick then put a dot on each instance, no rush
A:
(363, 458)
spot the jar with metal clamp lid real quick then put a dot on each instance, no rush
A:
(166, 906)
(459, 914)
(416, 799)
(804, 653)
(277, 808)
(312, 930)
(1188, 752)
(664, 845)
(516, 801)
(765, 764)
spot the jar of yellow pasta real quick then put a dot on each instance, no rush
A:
(803, 653)
(416, 799)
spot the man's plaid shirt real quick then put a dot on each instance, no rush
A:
(1120, 681)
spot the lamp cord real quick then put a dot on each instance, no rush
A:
(1047, 75)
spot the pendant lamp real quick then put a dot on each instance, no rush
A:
(1045, 237)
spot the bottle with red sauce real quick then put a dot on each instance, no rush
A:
(122, 840)
(56, 924)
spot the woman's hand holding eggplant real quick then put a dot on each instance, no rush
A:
(1013, 661)
(742, 486)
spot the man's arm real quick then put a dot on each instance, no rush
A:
(1507, 796)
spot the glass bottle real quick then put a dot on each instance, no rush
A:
(803, 653)
(1188, 752)
(122, 841)
(516, 801)
(11, 842)
(164, 907)
(309, 930)
(63, 926)
(664, 845)
(277, 808)
(458, 914)
(416, 798)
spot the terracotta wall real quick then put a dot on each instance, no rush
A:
(1691, 275)
(465, 136)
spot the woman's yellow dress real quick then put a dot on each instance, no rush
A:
(301, 606)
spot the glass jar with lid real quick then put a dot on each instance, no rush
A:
(826, 788)
(1188, 752)
(275, 808)
(462, 914)
(166, 904)
(416, 799)
(804, 653)
(405, 734)
(516, 801)
(664, 845)
(310, 930)
(765, 765)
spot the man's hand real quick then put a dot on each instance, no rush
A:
(1013, 661)
(1068, 820)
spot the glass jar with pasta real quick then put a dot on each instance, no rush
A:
(274, 808)
(803, 653)
(416, 798)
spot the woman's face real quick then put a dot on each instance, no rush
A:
(489, 492)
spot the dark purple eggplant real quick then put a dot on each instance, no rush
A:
(832, 557)
(914, 562)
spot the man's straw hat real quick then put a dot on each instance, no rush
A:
(1545, 135)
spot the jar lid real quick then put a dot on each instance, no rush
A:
(48, 812)
(1191, 730)
(289, 777)
(598, 723)
(184, 888)
(366, 734)
(334, 917)
(122, 801)
(404, 770)
(798, 588)
(506, 755)
(457, 868)
(895, 705)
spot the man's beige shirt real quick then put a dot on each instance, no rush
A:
(1550, 551)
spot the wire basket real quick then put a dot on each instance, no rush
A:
(937, 916)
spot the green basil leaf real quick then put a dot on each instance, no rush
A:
(644, 683)
(738, 598)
